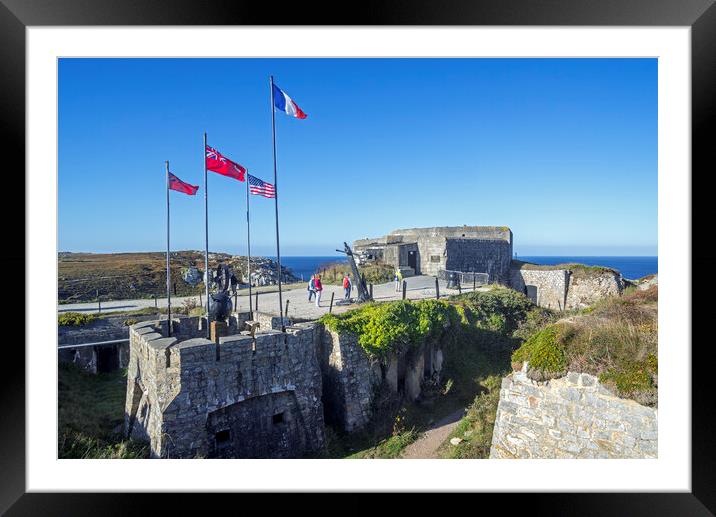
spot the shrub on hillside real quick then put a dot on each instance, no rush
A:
(75, 319)
(500, 309)
(616, 341)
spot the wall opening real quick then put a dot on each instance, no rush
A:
(277, 419)
(223, 438)
(107, 359)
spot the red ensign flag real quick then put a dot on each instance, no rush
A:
(215, 162)
(178, 185)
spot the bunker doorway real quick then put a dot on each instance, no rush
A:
(107, 359)
(413, 260)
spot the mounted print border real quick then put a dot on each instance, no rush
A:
(16, 15)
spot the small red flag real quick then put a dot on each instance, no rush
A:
(178, 185)
(215, 162)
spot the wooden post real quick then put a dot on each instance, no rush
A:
(405, 288)
(156, 305)
(371, 291)
(286, 311)
(437, 288)
(474, 284)
(99, 303)
(175, 288)
(330, 308)
(459, 287)
(236, 301)
(256, 303)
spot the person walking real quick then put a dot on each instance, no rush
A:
(347, 286)
(319, 289)
(398, 279)
(311, 287)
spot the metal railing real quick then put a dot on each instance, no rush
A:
(465, 279)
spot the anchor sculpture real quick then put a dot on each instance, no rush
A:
(363, 295)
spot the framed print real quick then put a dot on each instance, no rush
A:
(212, 200)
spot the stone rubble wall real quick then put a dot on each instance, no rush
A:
(570, 417)
(183, 394)
(584, 291)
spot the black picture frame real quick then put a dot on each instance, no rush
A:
(700, 15)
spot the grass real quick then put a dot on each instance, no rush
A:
(578, 270)
(90, 416)
(475, 428)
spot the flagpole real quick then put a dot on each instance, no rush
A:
(275, 186)
(206, 242)
(248, 244)
(169, 299)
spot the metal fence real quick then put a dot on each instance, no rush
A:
(465, 279)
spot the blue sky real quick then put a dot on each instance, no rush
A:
(563, 151)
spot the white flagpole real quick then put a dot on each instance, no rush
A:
(248, 244)
(169, 299)
(275, 186)
(206, 242)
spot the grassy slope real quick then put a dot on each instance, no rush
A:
(121, 276)
(615, 339)
(476, 352)
(90, 416)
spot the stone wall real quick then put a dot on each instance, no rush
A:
(243, 398)
(352, 379)
(563, 289)
(584, 290)
(570, 417)
(547, 288)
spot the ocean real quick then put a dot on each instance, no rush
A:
(629, 267)
(306, 266)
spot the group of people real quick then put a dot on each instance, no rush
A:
(315, 288)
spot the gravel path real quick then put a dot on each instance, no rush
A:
(427, 445)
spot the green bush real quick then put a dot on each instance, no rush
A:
(388, 327)
(500, 309)
(543, 351)
(75, 319)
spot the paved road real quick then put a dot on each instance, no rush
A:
(298, 306)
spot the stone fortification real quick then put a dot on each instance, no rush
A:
(352, 380)
(546, 288)
(245, 398)
(570, 417)
(564, 289)
(482, 249)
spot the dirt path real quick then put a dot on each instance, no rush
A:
(427, 445)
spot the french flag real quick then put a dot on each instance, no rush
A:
(283, 102)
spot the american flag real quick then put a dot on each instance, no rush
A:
(261, 188)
